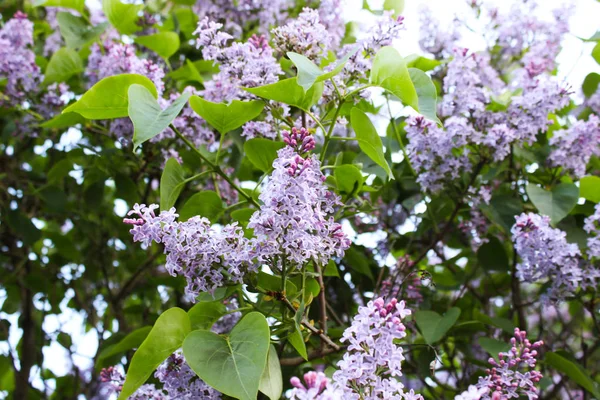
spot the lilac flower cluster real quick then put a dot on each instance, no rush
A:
(437, 154)
(236, 15)
(477, 226)
(241, 65)
(592, 227)
(304, 35)
(112, 382)
(433, 38)
(574, 147)
(181, 382)
(330, 16)
(545, 253)
(472, 393)
(194, 249)
(54, 41)
(17, 60)
(53, 100)
(370, 368)
(505, 379)
(294, 224)
(316, 386)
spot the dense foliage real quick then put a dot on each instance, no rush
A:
(255, 199)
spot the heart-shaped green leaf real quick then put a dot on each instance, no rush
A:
(262, 152)
(148, 118)
(433, 326)
(171, 183)
(76, 31)
(426, 92)
(288, 91)
(494, 346)
(389, 71)
(226, 117)
(271, 382)
(63, 64)
(589, 188)
(204, 314)
(123, 16)
(232, 364)
(165, 44)
(368, 139)
(348, 178)
(556, 203)
(108, 98)
(166, 336)
(207, 204)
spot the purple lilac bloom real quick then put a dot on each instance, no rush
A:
(528, 112)
(472, 393)
(304, 35)
(430, 150)
(372, 365)
(295, 221)
(112, 382)
(241, 65)
(180, 382)
(433, 38)
(592, 227)
(53, 100)
(254, 129)
(593, 101)
(574, 147)
(17, 60)
(194, 249)
(236, 15)
(226, 192)
(545, 253)
(331, 16)
(316, 386)
(513, 375)
(54, 41)
(119, 58)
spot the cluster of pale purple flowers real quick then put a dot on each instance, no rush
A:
(178, 381)
(438, 155)
(241, 65)
(304, 35)
(514, 375)
(476, 226)
(295, 222)
(205, 255)
(239, 14)
(574, 147)
(181, 382)
(294, 225)
(371, 366)
(433, 37)
(17, 60)
(545, 253)
(592, 227)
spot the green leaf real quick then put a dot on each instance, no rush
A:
(166, 336)
(397, 6)
(331, 269)
(76, 32)
(122, 16)
(63, 64)
(170, 183)
(288, 91)
(426, 92)
(77, 5)
(207, 204)
(596, 53)
(165, 44)
(356, 260)
(262, 152)
(271, 381)
(148, 118)
(368, 139)
(423, 63)
(590, 84)
(433, 326)
(204, 315)
(589, 188)
(63, 120)
(492, 255)
(494, 346)
(349, 178)
(226, 117)
(390, 72)
(187, 73)
(308, 72)
(573, 370)
(273, 283)
(297, 341)
(556, 203)
(232, 365)
(131, 341)
(107, 99)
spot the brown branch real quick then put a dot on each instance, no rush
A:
(322, 301)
